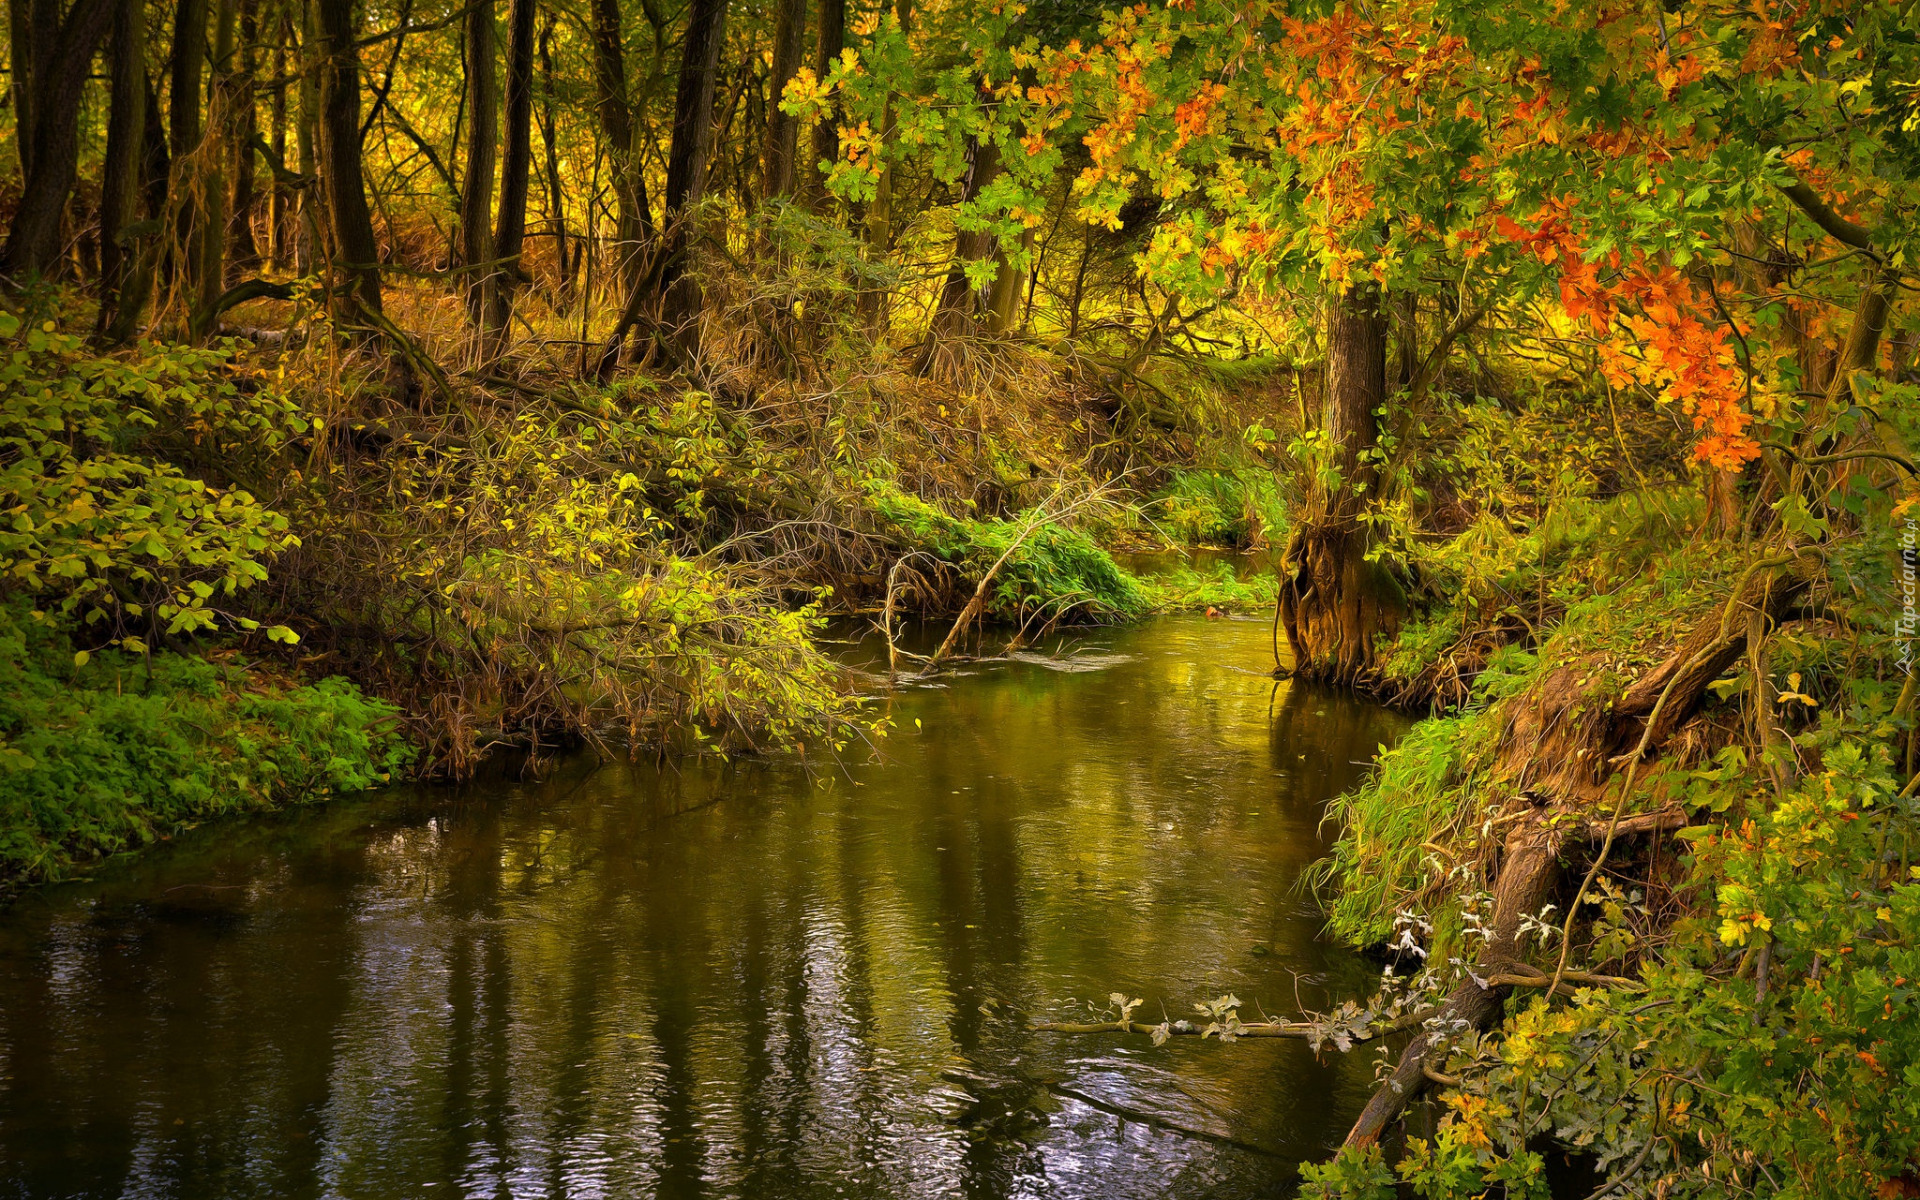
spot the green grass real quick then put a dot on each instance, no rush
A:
(1188, 588)
(1220, 508)
(107, 755)
(1057, 569)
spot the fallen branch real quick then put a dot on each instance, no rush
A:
(1301, 1030)
(978, 603)
(979, 600)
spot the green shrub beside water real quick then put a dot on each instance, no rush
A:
(106, 755)
(1057, 569)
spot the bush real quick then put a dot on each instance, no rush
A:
(98, 527)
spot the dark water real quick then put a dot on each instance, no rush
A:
(727, 981)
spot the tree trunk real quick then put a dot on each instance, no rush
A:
(1336, 603)
(242, 251)
(33, 241)
(20, 29)
(953, 314)
(476, 195)
(355, 253)
(311, 215)
(687, 166)
(208, 245)
(830, 38)
(1003, 301)
(550, 138)
(782, 138)
(1406, 339)
(279, 201)
(186, 98)
(126, 143)
(633, 219)
(515, 171)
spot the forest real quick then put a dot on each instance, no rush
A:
(422, 393)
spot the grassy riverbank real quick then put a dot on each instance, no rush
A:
(1735, 863)
(120, 749)
(207, 545)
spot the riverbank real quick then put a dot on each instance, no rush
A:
(249, 576)
(1679, 787)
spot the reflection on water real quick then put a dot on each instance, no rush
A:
(726, 981)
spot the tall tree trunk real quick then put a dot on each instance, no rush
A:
(356, 255)
(126, 142)
(1334, 603)
(830, 38)
(550, 138)
(687, 164)
(20, 78)
(476, 196)
(782, 137)
(311, 202)
(243, 251)
(959, 302)
(280, 231)
(515, 171)
(633, 221)
(186, 101)
(34, 27)
(33, 241)
(209, 243)
(157, 164)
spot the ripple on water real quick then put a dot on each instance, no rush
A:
(744, 980)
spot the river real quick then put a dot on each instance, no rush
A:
(764, 979)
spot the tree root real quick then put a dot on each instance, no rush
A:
(1585, 755)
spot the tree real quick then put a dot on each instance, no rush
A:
(829, 39)
(1336, 600)
(782, 133)
(120, 190)
(477, 249)
(49, 128)
(634, 222)
(243, 251)
(515, 170)
(355, 255)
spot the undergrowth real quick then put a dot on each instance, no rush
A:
(1054, 572)
(1761, 1035)
(114, 751)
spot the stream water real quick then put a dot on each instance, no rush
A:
(755, 980)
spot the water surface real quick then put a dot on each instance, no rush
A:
(762, 980)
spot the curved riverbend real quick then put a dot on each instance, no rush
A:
(748, 980)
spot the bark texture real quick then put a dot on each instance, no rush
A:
(1334, 603)
(781, 144)
(51, 135)
(355, 253)
(120, 179)
(476, 193)
(515, 172)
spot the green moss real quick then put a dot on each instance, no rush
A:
(107, 755)
(1056, 569)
